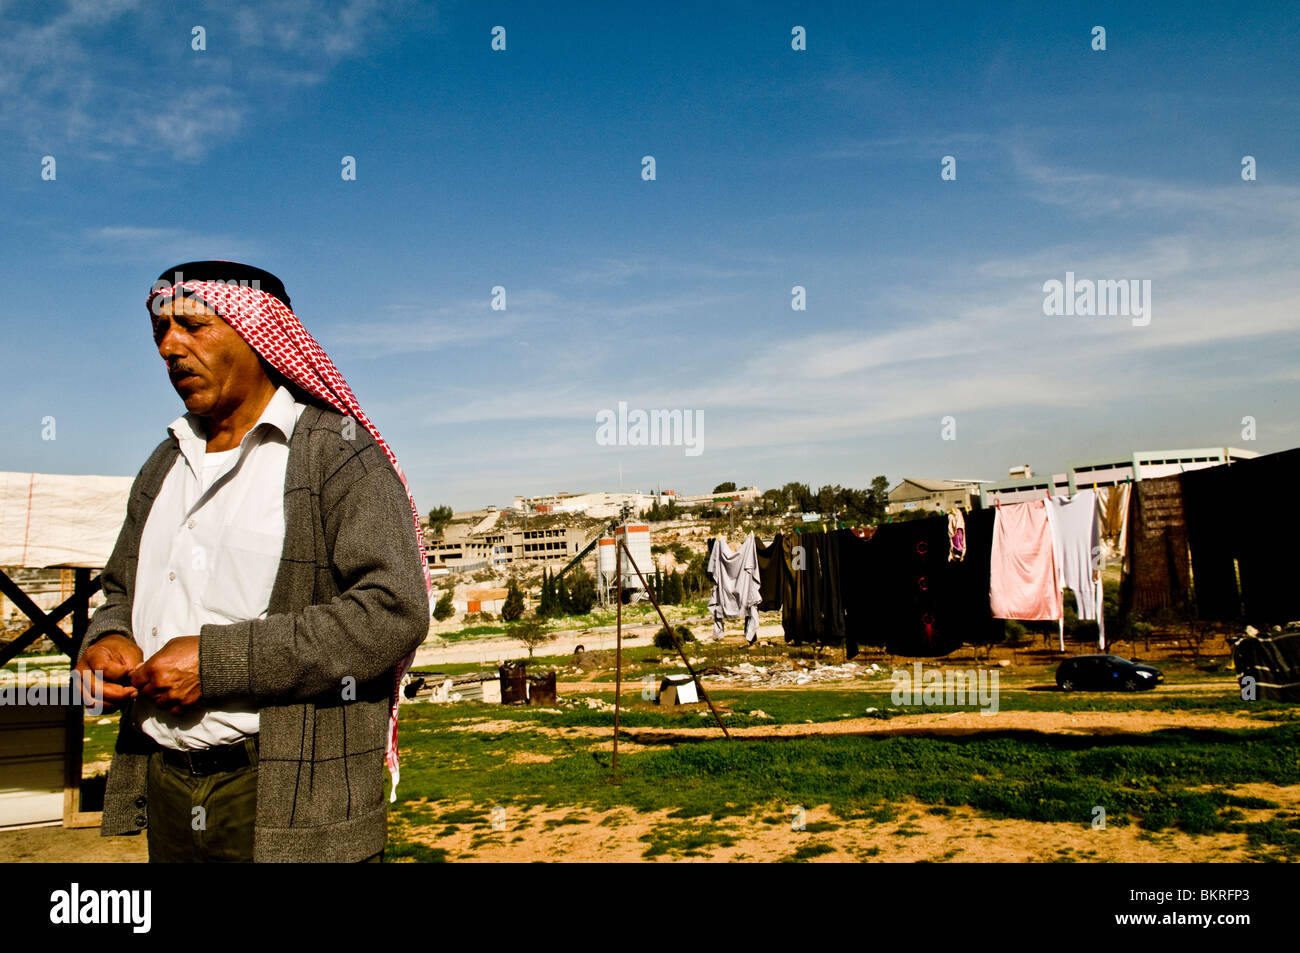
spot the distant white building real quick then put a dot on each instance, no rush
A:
(606, 505)
(1108, 471)
(916, 493)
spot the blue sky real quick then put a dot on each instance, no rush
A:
(775, 168)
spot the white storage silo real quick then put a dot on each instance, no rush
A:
(638, 544)
(605, 563)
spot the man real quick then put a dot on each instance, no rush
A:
(264, 597)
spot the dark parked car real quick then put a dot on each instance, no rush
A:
(1105, 673)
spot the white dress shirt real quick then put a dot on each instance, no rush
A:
(209, 553)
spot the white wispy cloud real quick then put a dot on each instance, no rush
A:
(966, 344)
(150, 245)
(116, 79)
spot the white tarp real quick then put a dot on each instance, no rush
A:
(55, 519)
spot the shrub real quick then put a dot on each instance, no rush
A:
(664, 638)
(513, 607)
(444, 609)
(582, 591)
(532, 633)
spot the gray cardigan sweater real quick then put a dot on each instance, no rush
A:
(348, 603)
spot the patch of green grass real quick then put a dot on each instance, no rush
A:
(1273, 840)
(881, 814)
(466, 815)
(414, 853)
(687, 840)
(472, 631)
(807, 852)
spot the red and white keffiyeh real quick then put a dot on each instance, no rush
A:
(272, 330)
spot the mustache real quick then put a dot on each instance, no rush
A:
(178, 371)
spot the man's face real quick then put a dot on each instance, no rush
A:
(212, 368)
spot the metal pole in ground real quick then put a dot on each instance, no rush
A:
(618, 646)
(694, 677)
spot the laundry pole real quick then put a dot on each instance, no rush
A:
(1101, 616)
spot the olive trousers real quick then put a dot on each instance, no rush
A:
(203, 818)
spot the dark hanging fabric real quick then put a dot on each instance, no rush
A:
(1266, 550)
(1208, 495)
(828, 623)
(857, 591)
(1158, 565)
(795, 618)
(970, 590)
(811, 578)
(814, 587)
(708, 561)
(770, 564)
(917, 611)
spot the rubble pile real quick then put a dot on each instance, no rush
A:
(786, 672)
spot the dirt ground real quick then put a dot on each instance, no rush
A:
(915, 834)
(930, 724)
(49, 845)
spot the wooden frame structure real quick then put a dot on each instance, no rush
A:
(47, 624)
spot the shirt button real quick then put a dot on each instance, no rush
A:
(190, 524)
(155, 631)
(171, 576)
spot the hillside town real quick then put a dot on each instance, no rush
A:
(475, 554)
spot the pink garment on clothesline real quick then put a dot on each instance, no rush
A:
(1023, 580)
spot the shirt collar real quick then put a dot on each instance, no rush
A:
(280, 412)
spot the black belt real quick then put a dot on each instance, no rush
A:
(204, 761)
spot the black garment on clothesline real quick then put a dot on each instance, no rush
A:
(971, 591)
(885, 605)
(769, 575)
(858, 590)
(812, 608)
(1266, 548)
(915, 595)
(794, 602)
(1212, 537)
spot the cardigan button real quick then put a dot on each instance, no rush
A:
(140, 821)
(140, 802)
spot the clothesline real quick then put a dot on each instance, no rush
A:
(926, 587)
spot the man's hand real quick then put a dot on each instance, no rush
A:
(170, 679)
(113, 657)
